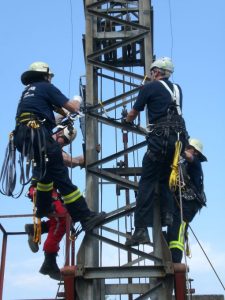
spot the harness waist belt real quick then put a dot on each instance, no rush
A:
(180, 126)
(27, 117)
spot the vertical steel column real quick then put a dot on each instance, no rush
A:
(145, 16)
(89, 251)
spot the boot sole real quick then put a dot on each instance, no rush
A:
(55, 276)
(136, 243)
(27, 229)
(34, 247)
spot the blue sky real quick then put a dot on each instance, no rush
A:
(192, 33)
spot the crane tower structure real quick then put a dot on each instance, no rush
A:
(118, 52)
(118, 48)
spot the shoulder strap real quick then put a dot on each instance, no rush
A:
(175, 95)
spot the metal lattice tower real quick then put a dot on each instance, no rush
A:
(118, 52)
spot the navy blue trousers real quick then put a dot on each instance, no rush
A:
(156, 169)
(190, 209)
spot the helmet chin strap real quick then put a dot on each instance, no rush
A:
(66, 142)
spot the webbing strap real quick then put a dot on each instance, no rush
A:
(175, 95)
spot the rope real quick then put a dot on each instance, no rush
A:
(187, 251)
(8, 171)
(207, 258)
(174, 176)
(36, 221)
(171, 29)
(180, 185)
(72, 46)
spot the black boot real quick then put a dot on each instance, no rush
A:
(78, 209)
(50, 267)
(80, 212)
(93, 220)
(140, 236)
(29, 229)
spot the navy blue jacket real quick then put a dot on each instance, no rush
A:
(39, 98)
(157, 99)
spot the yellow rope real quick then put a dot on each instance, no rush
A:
(36, 221)
(188, 248)
(174, 176)
(37, 237)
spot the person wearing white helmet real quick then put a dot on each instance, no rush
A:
(35, 121)
(163, 101)
(65, 137)
(192, 198)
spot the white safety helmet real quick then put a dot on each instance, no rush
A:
(163, 63)
(34, 70)
(69, 134)
(78, 98)
(198, 147)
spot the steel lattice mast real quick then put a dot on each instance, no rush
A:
(118, 51)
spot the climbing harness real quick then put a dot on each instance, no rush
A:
(175, 95)
(172, 122)
(189, 191)
(34, 142)
(32, 130)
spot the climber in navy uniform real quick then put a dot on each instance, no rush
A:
(35, 121)
(166, 124)
(192, 196)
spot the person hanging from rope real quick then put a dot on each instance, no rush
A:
(166, 125)
(56, 225)
(192, 197)
(35, 121)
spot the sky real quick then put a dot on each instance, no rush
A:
(192, 33)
